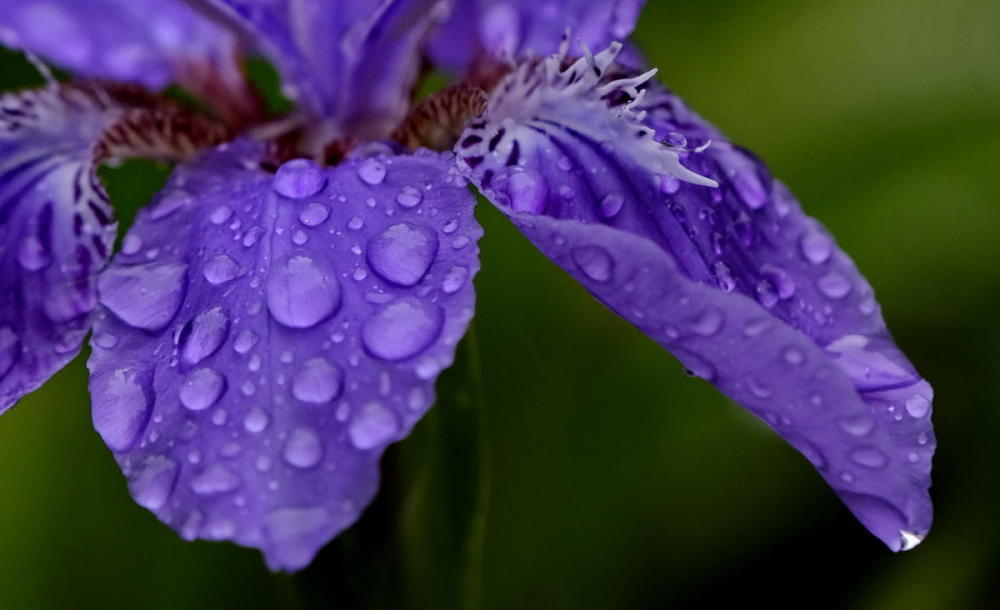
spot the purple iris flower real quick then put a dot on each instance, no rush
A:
(279, 313)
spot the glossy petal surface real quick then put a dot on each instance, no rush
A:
(734, 279)
(144, 41)
(354, 62)
(478, 29)
(56, 229)
(265, 340)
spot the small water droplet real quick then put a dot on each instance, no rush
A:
(409, 197)
(869, 457)
(317, 382)
(834, 285)
(724, 276)
(766, 294)
(454, 279)
(245, 341)
(220, 269)
(758, 388)
(202, 389)
(917, 405)
(793, 355)
(152, 485)
(612, 204)
(169, 203)
(371, 171)
(402, 329)
(708, 322)
(857, 425)
(403, 253)
(256, 420)
(300, 295)
(132, 244)
(216, 479)
(299, 178)
(816, 247)
(221, 214)
(303, 449)
(372, 426)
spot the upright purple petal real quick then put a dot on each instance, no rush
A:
(151, 42)
(56, 229)
(353, 62)
(694, 242)
(512, 29)
(267, 336)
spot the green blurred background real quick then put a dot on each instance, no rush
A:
(614, 480)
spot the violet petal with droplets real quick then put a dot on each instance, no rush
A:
(274, 333)
(612, 180)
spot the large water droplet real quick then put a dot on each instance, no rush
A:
(216, 479)
(303, 448)
(314, 214)
(221, 214)
(816, 247)
(202, 336)
(834, 285)
(152, 485)
(371, 171)
(403, 253)
(299, 178)
(594, 261)
(402, 329)
(10, 349)
(220, 269)
(256, 420)
(409, 197)
(300, 295)
(317, 382)
(121, 406)
(869, 457)
(32, 254)
(202, 389)
(917, 405)
(372, 426)
(144, 296)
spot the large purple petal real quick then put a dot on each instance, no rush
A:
(152, 42)
(354, 62)
(262, 338)
(505, 29)
(735, 280)
(56, 229)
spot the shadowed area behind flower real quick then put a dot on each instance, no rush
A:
(625, 453)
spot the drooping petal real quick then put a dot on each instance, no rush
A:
(56, 225)
(142, 41)
(712, 258)
(512, 29)
(266, 336)
(56, 229)
(352, 62)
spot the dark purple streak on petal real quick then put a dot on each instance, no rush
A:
(274, 333)
(746, 290)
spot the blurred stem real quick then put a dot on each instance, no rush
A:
(443, 521)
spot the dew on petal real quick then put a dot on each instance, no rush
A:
(121, 407)
(594, 262)
(203, 336)
(299, 178)
(403, 253)
(300, 294)
(303, 449)
(409, 197)
(371, 171)
(317, 382)
(144, 296)
(314, 214)
(202, 389)
(216, 479)
(152, 485)
(372, 426)
(402, 329)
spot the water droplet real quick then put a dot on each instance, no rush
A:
(221, 214)
(300, 295)
(303, 448)
(220, 269)
(917, 405)
(32, 254)
(169, 203)
(409, 197)
(816, 247)
(299, 238)
(450, 227)
(766, 294)
(152, 485)
(299, 178)
(834, 285)
(317, 382)
(371, 171)
(793, 355)
(202, 336)
(102, 340)
(245, 341)
(724, 276)
(809, 450)
(594, 261)
(216, 479)
(526, 194)
(314, 214)
(612, 204)
(252, 237)
(402, 329)
(121, 407)
(869, 457)
(403, 253)
(202, 389)
(758, 388)
(144, 296)
(256, 420)
(454, 279)
(372, 426)
(132, 244)
(857, 425)
(695, 365)
(780, 279)
(708, 322)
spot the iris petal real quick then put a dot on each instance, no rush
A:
(689, 238)
(274, 333)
